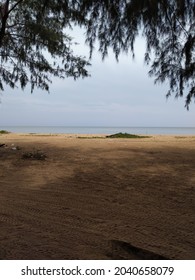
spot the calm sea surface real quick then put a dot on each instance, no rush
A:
(101, 130)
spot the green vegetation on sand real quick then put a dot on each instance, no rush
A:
(4, 132)
(125, 135)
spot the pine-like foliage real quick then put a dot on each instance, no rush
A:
(32, 29)
(168, 27)
(33, 44)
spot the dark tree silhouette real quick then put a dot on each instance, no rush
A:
(33, 44)
(167, 26)
(28, 27)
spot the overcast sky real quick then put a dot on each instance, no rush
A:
(116, 94)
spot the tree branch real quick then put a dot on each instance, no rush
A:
(14, 6)
(4, 16)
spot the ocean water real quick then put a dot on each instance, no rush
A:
(101, 130)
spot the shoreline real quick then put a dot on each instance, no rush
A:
(102, 130)
(100, 134)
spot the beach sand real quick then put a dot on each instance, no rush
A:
(96, 198)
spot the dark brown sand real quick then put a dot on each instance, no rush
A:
(97, 198)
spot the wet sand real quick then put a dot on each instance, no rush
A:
(96, 198)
